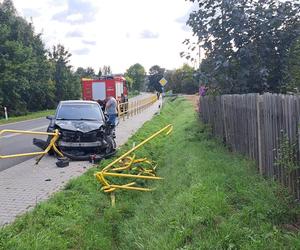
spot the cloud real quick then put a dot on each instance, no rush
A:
(186, 28)
(74, 17)
(56, 2)
(84, 51)
(74, 33)
(117, 32)
(183, 19)
(147, 34)
(30, 12)
(77, 12)
(89, 42)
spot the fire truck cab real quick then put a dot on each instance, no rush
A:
(103, 87)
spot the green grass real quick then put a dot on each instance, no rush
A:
(209, 199)
(133, 93)
(29, 116)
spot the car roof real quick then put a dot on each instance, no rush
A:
(78, 102)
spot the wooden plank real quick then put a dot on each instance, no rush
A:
(259, 133)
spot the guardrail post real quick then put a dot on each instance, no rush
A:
(128, 110)
(124, 111)
(139, 106)
(119, 111)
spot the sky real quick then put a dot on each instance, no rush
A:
(118, 33)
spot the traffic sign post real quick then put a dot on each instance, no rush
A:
(163, 81)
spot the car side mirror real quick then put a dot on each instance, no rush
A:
(50, 117)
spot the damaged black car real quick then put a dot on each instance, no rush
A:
(84, 131)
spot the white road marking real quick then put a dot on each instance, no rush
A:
(15, 134)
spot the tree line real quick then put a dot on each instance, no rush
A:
(34, 78)
(31, 77)
(250, 46)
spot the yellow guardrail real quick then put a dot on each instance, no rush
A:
(42, 153)
(134, 107)
(134, 168)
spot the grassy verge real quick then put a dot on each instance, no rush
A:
(29, 116)
(209, 199)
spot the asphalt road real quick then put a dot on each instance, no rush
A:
(20, 143)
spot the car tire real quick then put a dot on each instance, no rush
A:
(112, 146)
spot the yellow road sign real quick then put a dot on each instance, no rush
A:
(163, 81)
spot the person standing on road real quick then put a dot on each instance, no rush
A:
(111, 110)
(102, 104)
(157, 95)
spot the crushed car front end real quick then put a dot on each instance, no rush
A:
(83, 130)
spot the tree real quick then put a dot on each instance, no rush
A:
(24, 69)
(85, 73)
(137, 73)
(31, 78)
(104, 71)
(67, 85)
(8, 7)
(129, 82)
(155, 74)
(246, 42)
(182, 80)
(293, 78)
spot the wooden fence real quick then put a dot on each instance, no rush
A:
(257, 126)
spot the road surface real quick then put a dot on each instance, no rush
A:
(20, 143)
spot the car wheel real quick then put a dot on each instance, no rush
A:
(111, 145)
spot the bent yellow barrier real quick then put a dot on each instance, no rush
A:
(133, 168)
(42, 153)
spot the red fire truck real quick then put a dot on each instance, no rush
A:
(103, 87)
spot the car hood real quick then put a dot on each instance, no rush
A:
(82, 126)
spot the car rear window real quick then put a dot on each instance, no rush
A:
(79, 112)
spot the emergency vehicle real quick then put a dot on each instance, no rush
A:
(103, 87)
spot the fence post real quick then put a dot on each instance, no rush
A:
(224, 117)
(258, 101)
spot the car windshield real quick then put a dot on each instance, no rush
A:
(79, 112)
